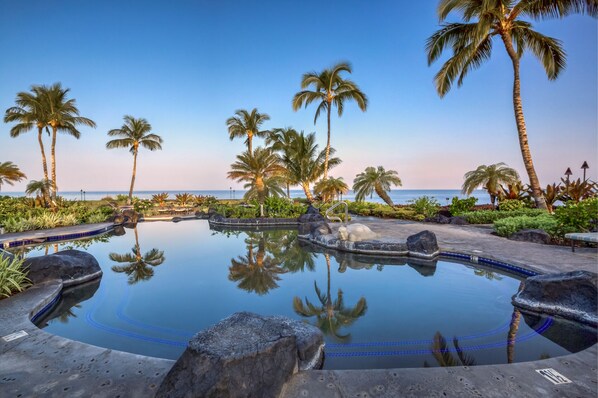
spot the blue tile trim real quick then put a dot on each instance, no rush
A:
(490, 262)
(58, 237)
(46, 308)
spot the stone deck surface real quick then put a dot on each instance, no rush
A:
(42, 364)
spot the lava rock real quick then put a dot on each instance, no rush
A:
(72, 266)
(118, 230)
(532, 235)
(217, 217)
(311, 215)
(458, 221)
(571, 295)
(131, 216)
(423, 242)
(438, 219)
(244, 355)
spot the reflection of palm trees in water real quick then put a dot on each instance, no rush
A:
(444, 357)
(287, 249)
(330, 315)
(490, 275)
(513, 328)
(257, 271)
(138, 267)
(64, 316)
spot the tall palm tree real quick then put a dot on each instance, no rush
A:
(63, 116)
(330, 188)
(331, 314)
(137, 266)
(10, 173)
(247, 124)
(490, 177)
(305, 164)
(329, 89)
(471, 44)
(378, 180)
(30, 113)
(281, 140)
(262, 173)
(39, 188)
(135, 133)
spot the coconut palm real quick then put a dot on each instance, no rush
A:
(62, 115)
(134, 133)
(490, 177)
(30, 113)
(305, 164)
(262, 173)
(10, 173)
(137, 266)
(39, 188)
(246, 124)
(331, 315)
(281, 140)
(471, 44)
(330, 188)
(375, 180)
(329, 89)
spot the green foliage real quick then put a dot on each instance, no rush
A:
(122, 198)
(425, 206)
(283, 208)
(460, 206)
(207, 200)
(13, 278)
(577, 217)
(384, 211)
(508, 226)
(511, 204)
(490, 216)
(142, 205)
(160, 199)
(237, 211)
(578, 190)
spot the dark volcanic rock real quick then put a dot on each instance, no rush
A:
(72, 266)
(118, 230)
(217, 217)
(311, 215)
(439, 219)
(131, 216)
(531, 235)
(571, 295)
(423, 242)
(244, 355)
(458, 220)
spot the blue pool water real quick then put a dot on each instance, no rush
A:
(163, 282)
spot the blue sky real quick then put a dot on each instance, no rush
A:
(186, 66)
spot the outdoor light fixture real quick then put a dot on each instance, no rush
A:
(584, 166)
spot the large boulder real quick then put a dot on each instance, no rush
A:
(71, 266)
(457, 220)
(423, 243)
(244, 355)
(532, 235)
(311, 215)
(131, 216)
(571, 295)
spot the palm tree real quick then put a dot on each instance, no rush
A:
(471, 43)
(134, 133)
(247, 124)
(63, 116)
(281, 140)
(10, 173)
(330, 188)
(490, 177)
(305, 164)
(138, 267)
(331, 315)
(29, 113)
(262, 173)
(329, 89)
(40, 188)
(378, 180)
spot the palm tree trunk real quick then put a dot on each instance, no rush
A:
(383, 195)
(288, 191)
(521, 129)
(44, 162)
(327, 144)
(53, 157)
(307, 192)
(249, 146)
(130, 200)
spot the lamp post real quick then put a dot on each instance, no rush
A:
(230, 192)
(584, 166)
(82, 195)
(568, 174)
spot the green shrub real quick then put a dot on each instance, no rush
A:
(13, 278)
(508, 226)
(142, 205)
(460, 206)
(511, 204)
(577, 217)
(490, 216)
(283, 208)
(425, 206)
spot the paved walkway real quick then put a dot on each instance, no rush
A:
(54, 234)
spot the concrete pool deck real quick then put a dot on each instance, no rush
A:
(41, 364)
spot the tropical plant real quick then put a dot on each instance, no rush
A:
(10, 173)
(282, 140)
(305, 164)
(39, 188)
(204, 200)
(511, 204)
(329, 89)
(426, 206)
(283, 207)
(460, 206)
(577, 217)
(508, 226)
(514, 190)
(375, 180)
(134, 133)
(490, 216)
(471, 44)
(490, 177)
(183, 199)
(160, 198)
(262, 173)
(552, 193)
(246, 124)
(13, 276)
(578, 190)
(136, 266)
(330, 188)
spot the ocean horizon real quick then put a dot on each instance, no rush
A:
(398, 196)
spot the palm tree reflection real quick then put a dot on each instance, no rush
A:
(138, 267)
(443, 356)
(331, 315)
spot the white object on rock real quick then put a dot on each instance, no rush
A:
(356, 233)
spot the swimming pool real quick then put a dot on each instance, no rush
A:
(163, 282)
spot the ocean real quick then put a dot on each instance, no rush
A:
(398, 196)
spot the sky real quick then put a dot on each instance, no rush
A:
(187, 66)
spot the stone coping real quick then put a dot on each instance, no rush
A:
(54, 235)
(253, 222)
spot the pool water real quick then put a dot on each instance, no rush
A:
(164, 282)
